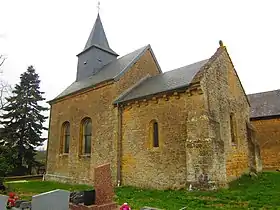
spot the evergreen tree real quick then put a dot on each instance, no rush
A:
(23, 121)
(6, 163)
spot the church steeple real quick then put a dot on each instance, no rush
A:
(98, 37)
(96, 54)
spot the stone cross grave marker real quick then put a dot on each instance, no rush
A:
(53, 200)
(3, 202)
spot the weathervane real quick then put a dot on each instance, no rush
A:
(98, 6)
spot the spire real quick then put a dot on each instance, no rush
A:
(98, 38)
(96, 54)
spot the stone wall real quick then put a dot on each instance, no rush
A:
(202, 132)
(225, 98)
(97, 104)
(268, 136)
(155, 167)
(202, 162)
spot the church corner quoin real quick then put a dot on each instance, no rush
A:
(188, 127)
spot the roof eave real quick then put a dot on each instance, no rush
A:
(265, 117)
(98, 47)
(181, 88)
(78, 91)
(155, 59)
(237, 77)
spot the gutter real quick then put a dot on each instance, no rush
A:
(265, 117)
(119, 145)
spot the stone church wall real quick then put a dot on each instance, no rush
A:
(155, 167)
(227, 104)
(202, 147)
(268, 136)
(96, 104)
(196, 128)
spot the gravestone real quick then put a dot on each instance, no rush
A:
(18, 202)
(104, 191)
(25, 205)
(53, 200)
(3, 201)
(103, 185)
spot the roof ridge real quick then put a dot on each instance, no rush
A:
(268, 91)
(133, 51)
(145, 48)
(184, 66)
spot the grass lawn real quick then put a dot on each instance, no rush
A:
(246, 193)
(25, 190)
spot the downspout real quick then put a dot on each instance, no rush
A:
(119, 145)
(47, 152)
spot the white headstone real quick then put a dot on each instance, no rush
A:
(3, 201)
(53, 200)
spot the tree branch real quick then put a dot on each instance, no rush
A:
(2, 60)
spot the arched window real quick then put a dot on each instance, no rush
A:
(154, 133)
(65, 137)
(87, 132)
(232, 128)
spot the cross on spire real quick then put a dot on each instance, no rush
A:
(98, 6)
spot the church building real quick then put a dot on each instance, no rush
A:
(162, 130)
(265, 117)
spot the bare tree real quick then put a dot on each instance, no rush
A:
(2, 59)
(5, 87)
(5, 90)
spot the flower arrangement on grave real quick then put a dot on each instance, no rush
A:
(125, 206)
(12, 200)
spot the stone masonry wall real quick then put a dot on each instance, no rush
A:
(194, 133)
(225, 97)
(96, 104)
(201, 169)
(188, 142)
(268, 136)
(160, 167)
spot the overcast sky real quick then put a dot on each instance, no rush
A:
(49, 35)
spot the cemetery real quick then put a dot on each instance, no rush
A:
(245, 193)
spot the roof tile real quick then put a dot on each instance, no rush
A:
(265, 104)
(167, 81)
(108, 72)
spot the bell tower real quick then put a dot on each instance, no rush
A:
(96, 54)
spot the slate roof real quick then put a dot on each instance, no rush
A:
(265, 104)
(167, 81)
(111, 71)
(98, 37)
